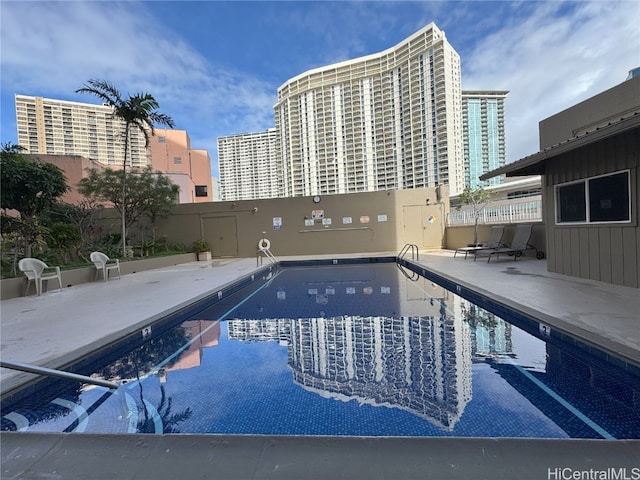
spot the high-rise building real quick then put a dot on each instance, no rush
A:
(249, 166)
(60, 127)
(390, 120)
(483, 134)
(68, 131)
(216, 196)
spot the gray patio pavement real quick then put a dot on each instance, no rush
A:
(58, 327)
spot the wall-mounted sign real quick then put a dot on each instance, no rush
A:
(364, 219)
(308, 222)
(382, 218)
(317, 214)
(326, 221)
(431, 219)
(346, 220)
(277, 223)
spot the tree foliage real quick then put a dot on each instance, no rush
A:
(84, 217)
(65, 238)
(477, 198)
(137, 112)
(25, 233)
(28, 186)
(163, 194)
(148, 193)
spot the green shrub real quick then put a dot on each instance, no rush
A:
(201, 246)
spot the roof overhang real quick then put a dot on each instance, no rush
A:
(535, 164)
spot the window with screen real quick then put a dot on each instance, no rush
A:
(609, 198)
(599, 199)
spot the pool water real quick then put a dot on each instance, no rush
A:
(360, 350)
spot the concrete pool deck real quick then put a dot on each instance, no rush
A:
(58, 327)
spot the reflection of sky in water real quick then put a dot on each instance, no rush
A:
(531, 354)
(246, 387)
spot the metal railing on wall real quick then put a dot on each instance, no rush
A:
(516, 212)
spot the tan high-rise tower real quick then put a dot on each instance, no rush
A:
(60, 127)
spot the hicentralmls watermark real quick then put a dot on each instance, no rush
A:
(611, 473)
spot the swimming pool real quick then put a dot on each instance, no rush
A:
(362, 350)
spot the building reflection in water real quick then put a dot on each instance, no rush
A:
(491, 336)
(420, 364)
(201, 334)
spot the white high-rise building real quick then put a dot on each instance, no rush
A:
(59, 127)
(249, 166)
(391, 120)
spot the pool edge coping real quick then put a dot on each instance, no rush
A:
(615, 352)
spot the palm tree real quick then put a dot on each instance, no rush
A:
(137, 111)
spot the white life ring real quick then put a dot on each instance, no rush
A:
(264, 244)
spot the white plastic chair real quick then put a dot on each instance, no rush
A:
(37, 271)
(103, 264)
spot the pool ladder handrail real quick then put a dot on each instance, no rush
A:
(267, 253)
(50, 372)
(413, 248)
(413, 276)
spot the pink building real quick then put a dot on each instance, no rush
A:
(205, 334)
(74, 168)
(169, 152)
(190, 169)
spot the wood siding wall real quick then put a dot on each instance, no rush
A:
(603, 252)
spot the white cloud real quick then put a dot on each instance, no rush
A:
(549, 55)
(64, 44)
(557, 56)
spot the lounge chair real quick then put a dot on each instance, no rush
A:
(519, 244)
(37, 272)
(103, 264)
(495, 241)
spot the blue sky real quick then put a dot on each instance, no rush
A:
(215, 67)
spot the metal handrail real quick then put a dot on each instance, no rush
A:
(414, 277)
(415, 255)
(50, 372)
(267, 253)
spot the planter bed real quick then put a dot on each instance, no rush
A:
(14, 287)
